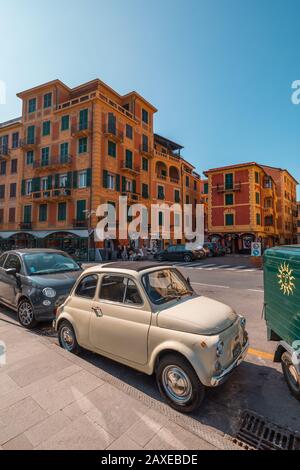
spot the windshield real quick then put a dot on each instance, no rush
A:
(165, 285)
(47, 263)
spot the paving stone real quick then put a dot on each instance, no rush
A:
(47, 428)
(81, 434)
(114, 410)
(147, 427)
(124, 443)
(7, 384)
(18, 443)
(19, 417)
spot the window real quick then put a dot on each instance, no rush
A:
(112, 149)
(82, 179)
(64, 152)
(129, 132)
(48, 100)
(4, 144)
(2, 191)
(187, 199)
(257, 198)
(176, 195)
(229, 199)
(256, 177)
(12, 214)
(43, 212)
(30, 134)
(128, 186)
(63, 180)
(13, 190)
(44, 183)
(195, 185)
(145, 116)
(205, 188)
(62, 211)
(187, 181)
(3, 167)
(14, 166)
(65, 122)
(229, 219)
(45, 156)
(83, 119)
(28, 187)
(82, 145)
(110, 181)
(112, 123)
(1, 216)
(81, 210)
(29, 157)
(15, 140)
(160, 218)
(160, 192)
(13, 262)
(145, 164)
(87, 286)
(229, 181)
(145, 191)
(32, 105)
(27, 214)
(119, 289)
(145, 143)
(46, 127)
(165, 285)
(128, 157)
(257, 219)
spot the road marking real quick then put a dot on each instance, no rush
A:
(263, 354)
(210, 285)
(255, 290)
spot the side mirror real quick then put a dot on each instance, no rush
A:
(79, 264)
(11, 271)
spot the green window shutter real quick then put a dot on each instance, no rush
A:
(65, 122)
(117, 182)
(205, 188)
(23, 188)
(27, 214)
(49, 182)
(89, 177)
(228, 199)
(83, 119)
(56, 181)
(134, 186)
(69, 179)
(229, 181)
(75, 179)
(123, 184)
(81, 205)
(62, 211)
(229, 220)
(36, 184)
(104, 178)
(128, 158)
(257, 198)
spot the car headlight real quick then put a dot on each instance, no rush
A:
(49, 292)
(220, 348)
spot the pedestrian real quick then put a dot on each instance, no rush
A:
(124, 253)
(119, 252)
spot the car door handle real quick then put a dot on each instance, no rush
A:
(97, 311)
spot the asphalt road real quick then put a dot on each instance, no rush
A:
(257, 384)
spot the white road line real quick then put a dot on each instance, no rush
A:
(255, 290)
(210, 285)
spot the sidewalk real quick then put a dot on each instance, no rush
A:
(50, 399)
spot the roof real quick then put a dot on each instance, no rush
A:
(228, 167)
(280, 169)
(167, 142)
(136, 266)
(44, 85)
(11, 122)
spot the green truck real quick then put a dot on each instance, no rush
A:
(282, 309)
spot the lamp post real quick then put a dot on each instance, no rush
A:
(88, 215)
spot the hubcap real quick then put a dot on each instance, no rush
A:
(25, 313)
(292, 374)
(177, 384)
(67, 338)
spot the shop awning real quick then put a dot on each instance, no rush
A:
(45, 233)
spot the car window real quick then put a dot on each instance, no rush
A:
(165, 285)
(171, 249)
(87, 287)
(13, 261)
(179, 248)
(113, 288)
(132, 294)
(2, 259)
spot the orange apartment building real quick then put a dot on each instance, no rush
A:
(75, 148)
(251, 202)
(204, 201)
(298, 222)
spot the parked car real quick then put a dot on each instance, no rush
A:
(33, 282)
(281, 307)
(147, 316)
(179, 253)
(214, 249)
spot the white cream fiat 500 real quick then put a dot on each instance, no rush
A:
(148, 317)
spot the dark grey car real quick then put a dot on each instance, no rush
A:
(34, 282)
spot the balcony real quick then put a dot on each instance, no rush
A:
(132, 197)
(174, 180)
(29, 144)
(51, 195)
(161, 176)
(25, 226)
(83, 129)
(112, 133)
(53, 164)
(146, 151)
(80, 223)
(130, 168)
(4, 152)
(221, 188)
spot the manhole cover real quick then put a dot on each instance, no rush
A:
(257, 432)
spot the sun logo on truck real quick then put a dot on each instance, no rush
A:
(286, 279)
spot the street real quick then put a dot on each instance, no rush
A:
(257, 385)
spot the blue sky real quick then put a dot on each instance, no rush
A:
(219, 71)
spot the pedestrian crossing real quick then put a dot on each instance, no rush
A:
(214, 266)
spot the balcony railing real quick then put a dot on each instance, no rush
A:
(147, 151)
(25, 225)
(221, 188)
(174, 180)
(80, 223)
(161, 176)
(113, 133)
(28, 144)
(51, 194)
(53, 163)
(4, 152)
(82, 129)
(131, 195)
(135, 169)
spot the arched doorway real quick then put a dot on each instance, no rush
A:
(174, 174)
(21, 240)
(69, 242)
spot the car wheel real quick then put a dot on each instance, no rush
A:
(291, 375)
(178, 384)
(187, 258)
(26, 314)
(67, 338)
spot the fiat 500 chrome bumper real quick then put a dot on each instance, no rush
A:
(219, 379)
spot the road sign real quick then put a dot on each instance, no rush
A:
(255, 249)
